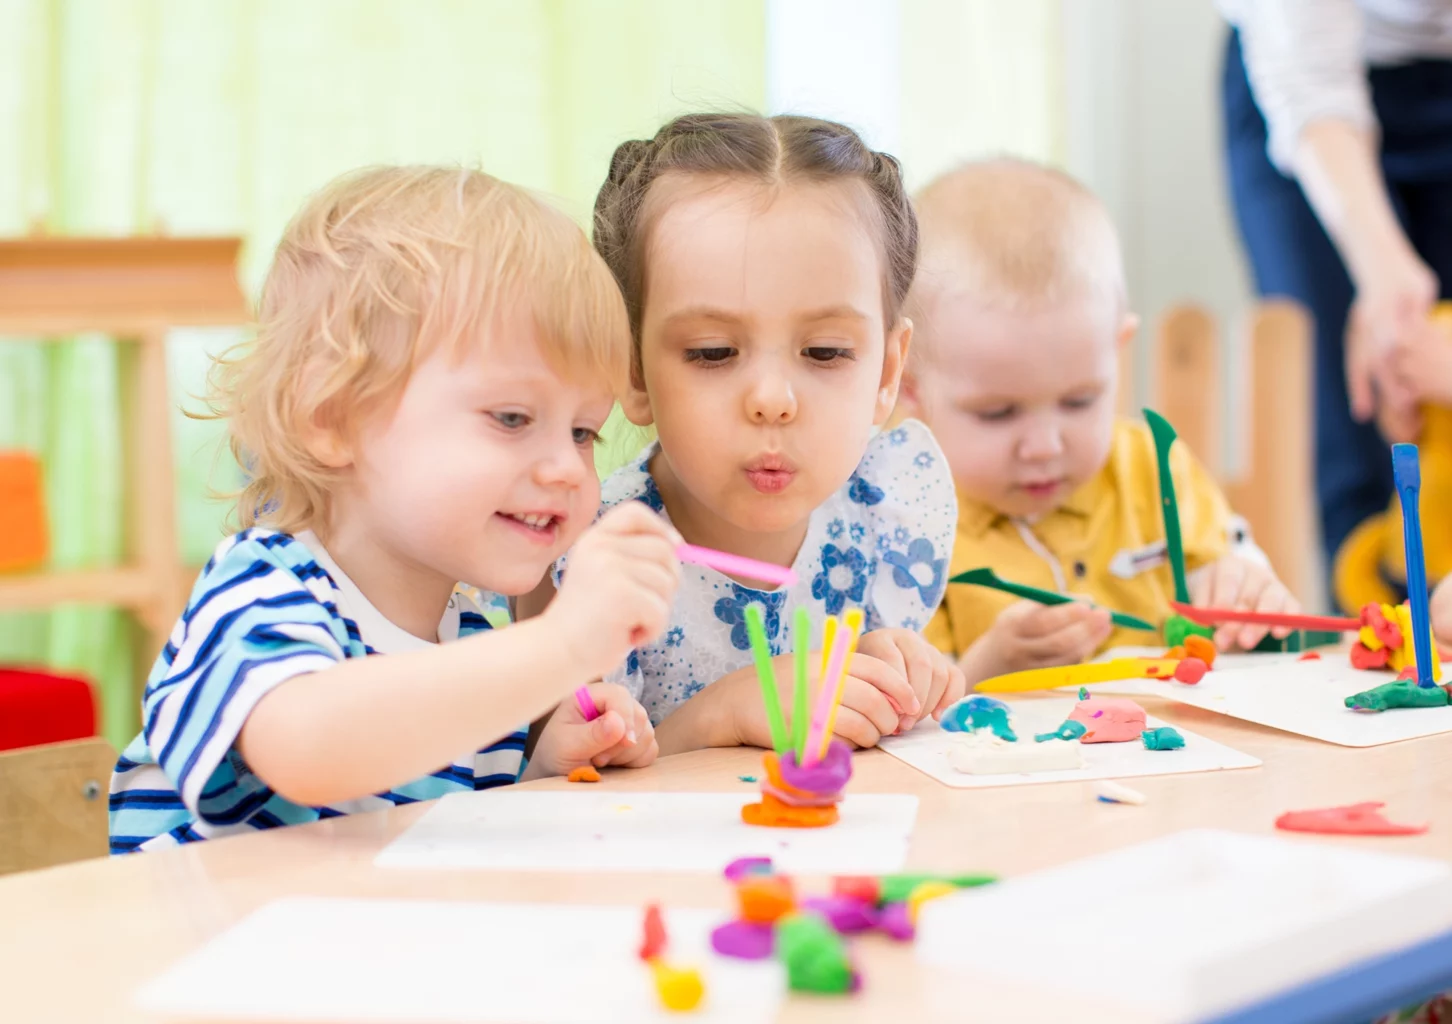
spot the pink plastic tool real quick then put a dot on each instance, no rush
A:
(587, 704)
(736, 565)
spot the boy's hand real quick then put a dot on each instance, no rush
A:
(618, 588)
(934, 678)
(622, 735)
(1030, 635)
(1237, 582)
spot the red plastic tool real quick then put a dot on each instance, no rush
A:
(1216, 616)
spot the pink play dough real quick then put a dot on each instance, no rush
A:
(1109, 719)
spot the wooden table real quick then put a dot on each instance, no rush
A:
(76, 941)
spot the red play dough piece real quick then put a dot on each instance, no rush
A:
(654, 942)
(1309, 656)
(1410, 672)
(1353, 819)
(1191, 670)
(1387, 631)
(1363, 658)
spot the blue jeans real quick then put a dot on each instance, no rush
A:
(1291, 255)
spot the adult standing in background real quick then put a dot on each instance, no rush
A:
(1338, 136)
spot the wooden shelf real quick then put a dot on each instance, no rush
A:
(129, 587)
(125, 286)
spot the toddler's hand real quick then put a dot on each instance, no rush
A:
(622, 735)
(1237, 582)
(618, 588)
(1029, 635)
(1440, 612)
(935, 679)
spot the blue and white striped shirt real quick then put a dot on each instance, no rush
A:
(267, 608)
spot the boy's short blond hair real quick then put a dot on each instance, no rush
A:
(376, 271)
(1017, 235)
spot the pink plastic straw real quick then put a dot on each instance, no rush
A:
(586, 703)
(736, 565)
(827, 695)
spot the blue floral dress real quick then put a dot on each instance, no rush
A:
(882, 543)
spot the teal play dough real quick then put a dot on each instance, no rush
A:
(1070, 731)
(1163, 738)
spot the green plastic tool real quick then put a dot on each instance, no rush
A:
(1164, 436)
(988, 578)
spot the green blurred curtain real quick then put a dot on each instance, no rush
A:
(217, 117)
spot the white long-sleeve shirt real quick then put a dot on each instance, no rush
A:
(1307, 59)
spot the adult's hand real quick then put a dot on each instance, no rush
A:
(1389, 319)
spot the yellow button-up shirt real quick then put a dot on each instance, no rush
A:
(1105, 542)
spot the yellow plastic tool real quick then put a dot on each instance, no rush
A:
(1080, 675)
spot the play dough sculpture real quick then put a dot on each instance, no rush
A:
(1109, 719)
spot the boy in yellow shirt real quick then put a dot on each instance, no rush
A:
(1020, 314)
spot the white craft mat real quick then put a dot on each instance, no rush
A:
(313, 959)
(926, 749)
(1305, 697)
(1191, 924)
(601, 830)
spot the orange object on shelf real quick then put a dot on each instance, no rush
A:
(24, 543)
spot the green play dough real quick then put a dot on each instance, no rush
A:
(1070, 731)
(1177, 628)
(897, 888)
(1163, 738)
(1404, 693)
(814, 954)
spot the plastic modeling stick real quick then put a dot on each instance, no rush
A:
(736, 565)
(1216, 616)
(1164, 436)
(1407, 471)
(988, 578)
(825, 696)
(1077, 675)
(586, 703)
(852, 622)
(801, 696)
(756, 632)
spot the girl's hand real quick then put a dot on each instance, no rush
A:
(622, 735)
(875, 699)
(935, 679)
(618, 588)
(1029, 635)
(1236, 582)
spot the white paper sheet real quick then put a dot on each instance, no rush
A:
(1306, 697)
(1194, 923)
(600, 830)
(313, 959)
(926, 749)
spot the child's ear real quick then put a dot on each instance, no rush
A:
(635, 403)
(894, 362)
(1128, 328)
(325, 440)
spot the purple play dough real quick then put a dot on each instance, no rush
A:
(743, 867)
(829, 775)
(845, 915)
(896, 922)
(744, 940)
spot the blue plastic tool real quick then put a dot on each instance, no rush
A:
(1407, 471)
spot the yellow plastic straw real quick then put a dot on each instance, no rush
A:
(852, 622)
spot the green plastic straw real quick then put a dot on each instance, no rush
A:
(988, 578)
(756, 632)
(801, 699)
